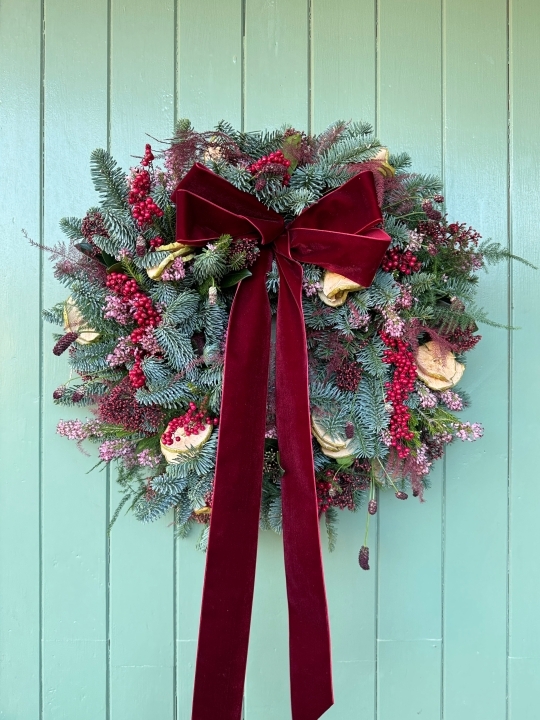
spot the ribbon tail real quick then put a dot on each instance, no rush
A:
(232, 547)
(309, 633)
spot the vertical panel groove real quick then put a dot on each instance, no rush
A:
(174, 540)
(108, 479)
(243, 66)
(443, 492)
(309, 65)
(510, 338)
(41, 340)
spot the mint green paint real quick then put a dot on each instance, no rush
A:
(446, 624)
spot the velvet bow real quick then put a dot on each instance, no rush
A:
(338, 233)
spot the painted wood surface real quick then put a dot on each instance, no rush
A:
(446, 624)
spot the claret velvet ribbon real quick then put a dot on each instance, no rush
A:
(338, 233)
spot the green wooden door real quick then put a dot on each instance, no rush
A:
(446, 624)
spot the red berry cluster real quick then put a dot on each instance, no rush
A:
(156, 242)
(148, 155)
(122, 285)
(274, 164)
(145, 211)
(323, 492)
(137, 377)
(140, 186)
(398, 390)
(144, 313)
(192, 422)
(405, 262)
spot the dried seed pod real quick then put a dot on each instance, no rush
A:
(64, 342)
(363, 557)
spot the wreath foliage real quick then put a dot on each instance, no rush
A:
(146, 320)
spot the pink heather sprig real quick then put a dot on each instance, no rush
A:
(122, 353)
(452, 400)
(118, 449)
(468, 431)
(148, 342)
(421, 461)
(405, 299)
(393, 324)
(357, 320)
(176, 271)
(116, 308)
(415, 240)
(427, 398)
(72, 430)
(146, 458)
(311, 288)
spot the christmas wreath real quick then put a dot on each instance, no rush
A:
(175, 282)
(146, 321)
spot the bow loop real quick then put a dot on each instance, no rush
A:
(208, 206)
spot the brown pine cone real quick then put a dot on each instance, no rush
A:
(64, 342)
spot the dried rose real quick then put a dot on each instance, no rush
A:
(332, 447)
(383, 157)
(437, 366)
(75, 323)
(336, 288)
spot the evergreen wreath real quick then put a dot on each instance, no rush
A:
(146, 320)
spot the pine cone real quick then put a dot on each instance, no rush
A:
(58, 393)
(363, 557)
(401, 495)
(64, 342)
(77, 396)
(372, 507)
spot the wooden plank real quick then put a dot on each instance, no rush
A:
(409, 592)
(20, 82)
(276, 93)
(343, 87)
(408, 670)
(342, 62)
(524, 573)
(475, 577)
(210, 62)
(276, 64)
(209, 90)
(142, 92)
(352, 597)
(74, 505)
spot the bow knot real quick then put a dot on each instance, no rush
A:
(339, 233)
